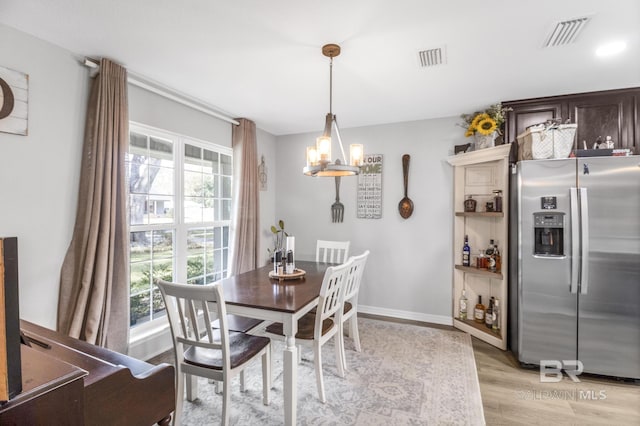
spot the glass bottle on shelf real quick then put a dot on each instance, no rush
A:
(497, 200)
(491, 261)
(488, 315)
(481, 260)
(462, 314)
(466, 252)
(478, 312)
(497, 257)
(469, 204)
(495, 326)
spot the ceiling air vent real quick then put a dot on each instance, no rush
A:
(566, 32)
(432, 57)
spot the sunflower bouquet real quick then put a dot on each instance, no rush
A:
(485, 122)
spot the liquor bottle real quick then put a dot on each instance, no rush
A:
(488, 315)
(466, 252)
(478, 313)
(497, 257)
(481, 260)
(462, 314)
(496, 316)
(491, 260)
(470, 204)
(497, 200)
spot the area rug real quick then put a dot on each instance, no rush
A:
(405, 375)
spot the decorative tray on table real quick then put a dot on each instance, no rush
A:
(297, 274)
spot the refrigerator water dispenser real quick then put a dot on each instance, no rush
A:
(549, 234)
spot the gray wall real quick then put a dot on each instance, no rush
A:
(267, 148)
(154, 110)
(409, 271)
(39, 172)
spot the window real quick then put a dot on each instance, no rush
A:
(179, 215)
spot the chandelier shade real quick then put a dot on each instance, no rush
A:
(319, 157)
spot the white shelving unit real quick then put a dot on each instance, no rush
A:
(479, 173)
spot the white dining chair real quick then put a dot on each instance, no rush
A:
(350, 302)
(317, 327)
(201, 350)
(332, 251)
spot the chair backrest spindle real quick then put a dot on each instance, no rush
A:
(352, 286)
(330, 301)
(332, 251)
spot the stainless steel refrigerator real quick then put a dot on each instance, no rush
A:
(575, 293)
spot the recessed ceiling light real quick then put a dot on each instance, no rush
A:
(611, 49)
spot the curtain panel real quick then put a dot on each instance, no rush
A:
(94, 291)
(245, 222)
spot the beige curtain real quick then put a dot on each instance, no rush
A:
(244, 252)
(94, 294)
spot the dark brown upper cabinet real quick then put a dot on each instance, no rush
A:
(598, 114)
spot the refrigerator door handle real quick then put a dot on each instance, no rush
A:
(575, 241)
(584, 237)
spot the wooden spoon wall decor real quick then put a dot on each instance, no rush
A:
(406, 205)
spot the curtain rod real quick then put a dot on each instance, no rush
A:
(164, 91)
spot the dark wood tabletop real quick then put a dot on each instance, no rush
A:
(255, 289)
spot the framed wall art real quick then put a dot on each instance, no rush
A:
(369, 200)
(14, 96)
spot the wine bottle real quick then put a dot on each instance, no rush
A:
(478, 313)
(466, 252)
(497, 257)
(488, 315)
(462, 306)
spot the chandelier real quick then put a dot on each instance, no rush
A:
(319, 155)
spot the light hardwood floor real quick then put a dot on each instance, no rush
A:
(512, 395)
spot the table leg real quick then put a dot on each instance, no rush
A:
(290, 358)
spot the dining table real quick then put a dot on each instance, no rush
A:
(254, 294)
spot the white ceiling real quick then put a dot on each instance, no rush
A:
(262, 59)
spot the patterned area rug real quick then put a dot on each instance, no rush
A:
(405, 375)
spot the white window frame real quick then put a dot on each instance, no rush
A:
(180, 228)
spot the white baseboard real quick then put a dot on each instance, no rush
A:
(408, 315)
(151, 344)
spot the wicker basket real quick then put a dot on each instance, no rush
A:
(546, 141)
(562, 136)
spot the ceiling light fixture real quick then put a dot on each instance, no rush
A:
(319, 156)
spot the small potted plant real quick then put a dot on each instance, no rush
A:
(279, 235)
